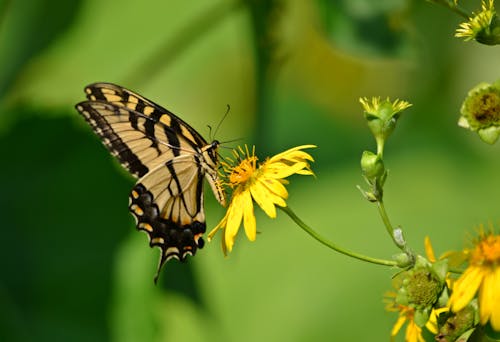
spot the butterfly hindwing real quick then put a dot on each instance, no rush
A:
(167, 205)
(167, 155)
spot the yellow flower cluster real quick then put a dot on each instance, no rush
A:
(481, 277)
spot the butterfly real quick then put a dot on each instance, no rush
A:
(170, 160)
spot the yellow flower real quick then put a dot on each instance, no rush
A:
(375, 104)
(483, 276)
(263, 183)
(482, 26)
(406, 315)
(381, 117)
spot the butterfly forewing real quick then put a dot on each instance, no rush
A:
(167, 155)
(123, 97)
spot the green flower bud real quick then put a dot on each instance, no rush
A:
(403, 260)
(382, 116)
(372, 165)
(481, 111)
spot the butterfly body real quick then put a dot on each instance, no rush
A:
(170, 160)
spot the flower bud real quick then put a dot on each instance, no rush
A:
(403, 260)
(382, 116)
(372, 165)
(481, 111)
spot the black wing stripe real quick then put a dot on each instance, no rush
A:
(199, 185)
(120, 142)
(112, 140)
(148, 127)
(132, 118)
(122, 97)
(173, 139)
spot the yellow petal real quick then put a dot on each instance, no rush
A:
(465, 288)
(249, 216)
(272, 186)
(305, 172)
(493, 296)
(292, 157)
(282, 170)
(432, 324)
(276, 188)
(234, 217)
(290, 152)
(429, 250)
(413, 333)
(397, 326)
(221, 224)
(262, 197)
(486, 294)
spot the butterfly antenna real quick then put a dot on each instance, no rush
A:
(210, 132)
(222, 120)
(223, 143)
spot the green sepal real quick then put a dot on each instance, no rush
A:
(489, 135)
(440, 268)
(422, 316)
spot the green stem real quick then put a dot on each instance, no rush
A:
(387, 223)
(332, 245)
(380, 147)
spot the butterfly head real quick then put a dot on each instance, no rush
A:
(211, 151)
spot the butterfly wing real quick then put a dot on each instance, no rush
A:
(122, 97)
(167, 155)
(141, 122)
(135, 129)
(167, 204)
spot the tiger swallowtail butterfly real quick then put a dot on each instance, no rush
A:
(170, 160)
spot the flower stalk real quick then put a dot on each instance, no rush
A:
(382, 117)
(333, 245)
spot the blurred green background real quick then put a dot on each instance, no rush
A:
(73, 268)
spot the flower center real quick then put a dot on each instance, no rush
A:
(487, 109)
(242, 172)
(487, 250)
